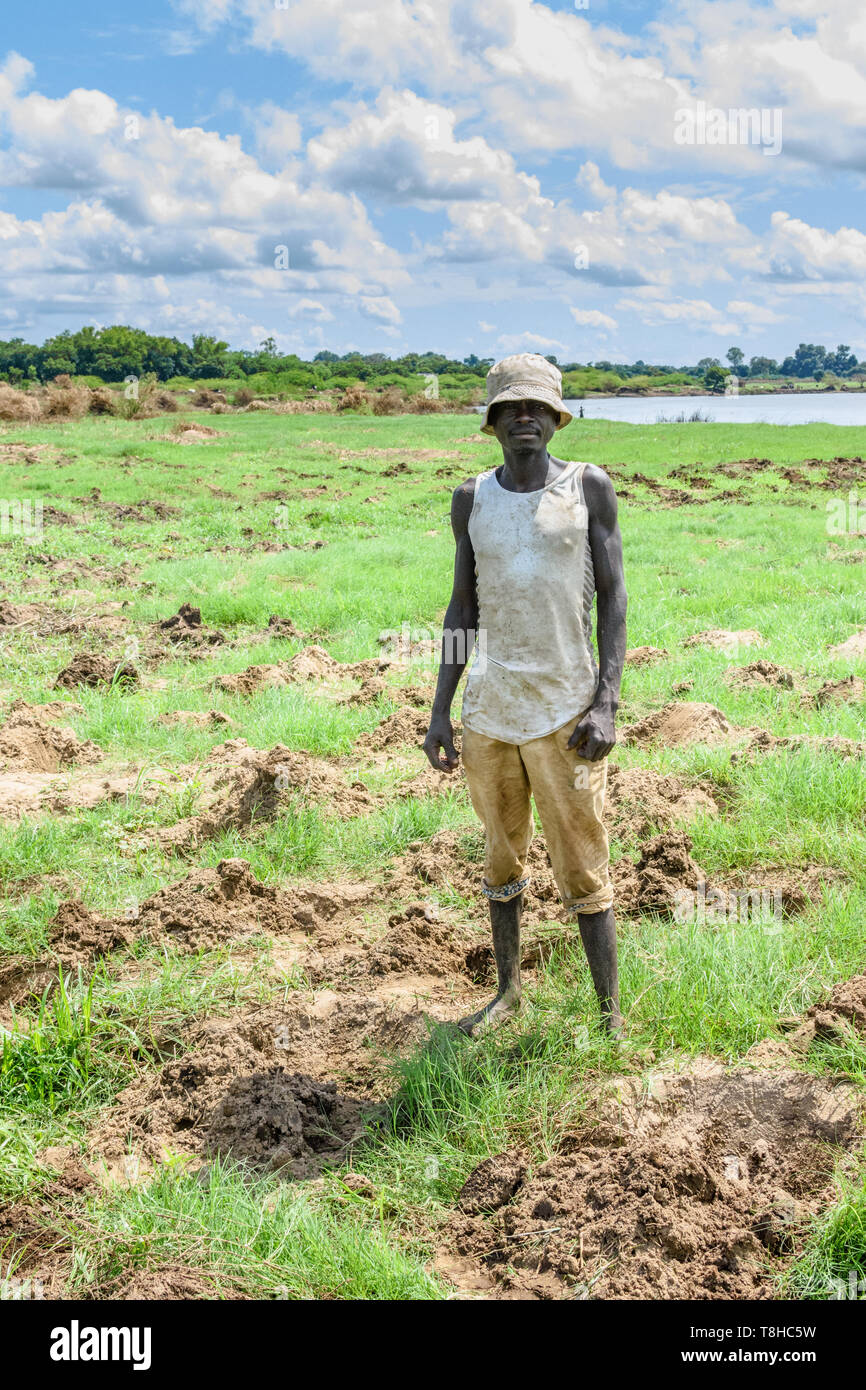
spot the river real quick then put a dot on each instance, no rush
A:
(829, 407)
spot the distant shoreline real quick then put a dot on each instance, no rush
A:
(816, 390)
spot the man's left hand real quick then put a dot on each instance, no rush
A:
(594, 735)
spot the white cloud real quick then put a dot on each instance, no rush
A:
(530, 342)
(592, 318)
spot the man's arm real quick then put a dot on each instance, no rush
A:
(595, 735)
(461, 620)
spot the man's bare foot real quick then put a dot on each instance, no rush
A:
(494, 1013)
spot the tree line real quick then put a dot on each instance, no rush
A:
(114, 353)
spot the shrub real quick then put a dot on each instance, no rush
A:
(64, 399)
(355, 398)
(244, 396)
(389, 402)
(206, 399)
(166, 401)
(101, 402)
(18, 405)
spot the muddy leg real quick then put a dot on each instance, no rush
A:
(598, 934)
(505, 922)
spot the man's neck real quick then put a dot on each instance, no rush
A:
(527, 470)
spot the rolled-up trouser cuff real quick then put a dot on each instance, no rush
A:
(506, 891)
(597, 902)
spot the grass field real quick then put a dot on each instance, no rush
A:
(245, 1082)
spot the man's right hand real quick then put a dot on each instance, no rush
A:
(440, 735)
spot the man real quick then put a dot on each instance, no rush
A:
(536, 537)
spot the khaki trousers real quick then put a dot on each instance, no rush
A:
(569, 792)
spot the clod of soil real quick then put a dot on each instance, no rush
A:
(186, 626)
(724, 641)
(698, 1192)
(29, 743)
(95, 669)
(644, 656)
(677, 724)
(760, 674)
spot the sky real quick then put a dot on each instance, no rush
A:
(462, 176)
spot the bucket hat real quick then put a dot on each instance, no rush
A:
(527, 376)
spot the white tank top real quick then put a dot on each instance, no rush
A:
(535, 666)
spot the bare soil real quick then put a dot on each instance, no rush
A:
(698, 1191)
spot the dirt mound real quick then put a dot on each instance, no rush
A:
(418, 942)
(250, 1086)
(166, 1284)
(695, 1193)
(638, 798)
(761, 741)
(845, 557)
(19, 614)
(95, 669)
(759, 674)
(189, 432)
(854, 648)
(252, 680)
(245, 786)
(314, 663)
(370, 690)
(29, 743)
(654, 884)
(680, 723)
(210, 906)
(186, 626)
(406, 725)
(283, 627)
(849, 688)
(77, 937)
(720, 639)
(847, 1004)
(197, 719)
(644, 656)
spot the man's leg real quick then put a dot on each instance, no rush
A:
(569, 792)
(598, 934)
(499, 789)
(505, 924)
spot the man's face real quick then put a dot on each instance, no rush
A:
(523, 424)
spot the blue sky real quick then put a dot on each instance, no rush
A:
(467, 176)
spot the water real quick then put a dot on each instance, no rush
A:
(829, 407)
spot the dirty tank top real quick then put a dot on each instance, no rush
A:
(534, 667)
